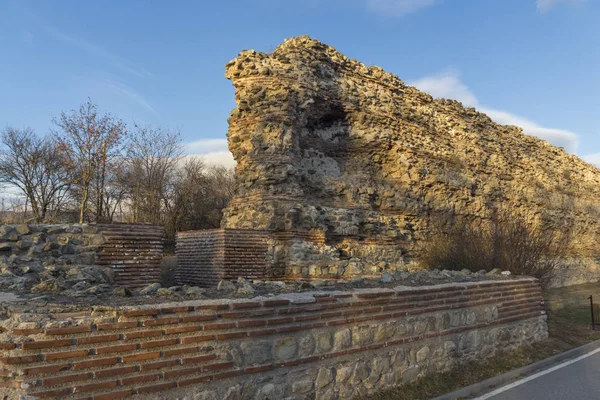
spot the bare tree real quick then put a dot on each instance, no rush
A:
(34, 166)
(199, 196)
(90, 143)
(149, 169)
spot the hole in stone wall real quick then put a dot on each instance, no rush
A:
(335, 114)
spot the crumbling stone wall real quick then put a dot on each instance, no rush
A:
(73, 257)
(334, 345)
(330, 148)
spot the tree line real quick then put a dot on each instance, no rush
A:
(94, 167)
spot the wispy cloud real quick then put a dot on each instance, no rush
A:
(448, 85)
(206, 146)
(98, 51)
(398, 8)
(212, 151)
(545, 5)
(130, 93)
(593, 159)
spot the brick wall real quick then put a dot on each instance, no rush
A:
(332, 345)
(133, 251)
(205, 257)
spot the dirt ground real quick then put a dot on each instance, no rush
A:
(568, 325)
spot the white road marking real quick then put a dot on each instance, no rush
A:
(532, 377)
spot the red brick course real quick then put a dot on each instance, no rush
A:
(165, 344)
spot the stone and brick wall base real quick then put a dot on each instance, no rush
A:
(207, 256)
(324, 345)
(133, 251)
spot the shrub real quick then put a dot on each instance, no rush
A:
(504, 241)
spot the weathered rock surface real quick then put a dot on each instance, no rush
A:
(353, 164)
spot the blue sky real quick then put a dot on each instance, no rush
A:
(535, 63)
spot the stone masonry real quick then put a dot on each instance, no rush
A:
(72, 257)
(317, 345)
(354, 165)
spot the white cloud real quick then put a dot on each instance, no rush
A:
(131, 94)
(448, 85)
(558, 137)
(91, 48)
(206, 146)
(398, 8)
(545, 5)
(212, 151)
(593, 159)
(219, 158)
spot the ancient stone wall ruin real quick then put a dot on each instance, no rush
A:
(324, 345)
(50, 258)
(356, 166)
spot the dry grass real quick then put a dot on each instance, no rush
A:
(505, 241)
(568, 326)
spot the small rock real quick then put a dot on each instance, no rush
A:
(386, 278)
(324, 377)
(164, 292)
(246, 287)
(56, 229)
(25, 243)
(423, 354)
(49, 246)
(506, 273)
(225, 286)
(257, 352)
(150, 289)
(5, 247)
(302, 387)
(22, 229)
(318, 283)
(305, 285)
(122, 292)
(73, 229)
(286, 348)
(275, 283)
(246, 290)
(75, 273)
(446, 273)
(98, 289)
(193, 291)
(80, 285)
(47, 286)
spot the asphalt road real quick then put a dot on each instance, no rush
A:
(577, 381)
